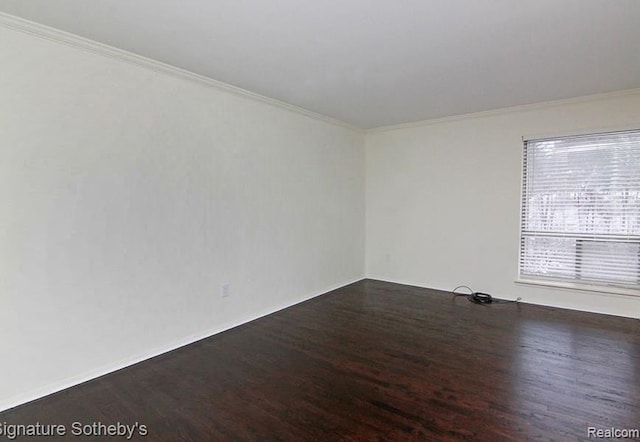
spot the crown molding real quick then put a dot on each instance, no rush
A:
(58, 36)
(62, 37)
(506, 110)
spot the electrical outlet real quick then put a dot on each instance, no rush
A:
(225, 290)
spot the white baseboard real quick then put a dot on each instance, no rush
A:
(633, 314)
(47, 390)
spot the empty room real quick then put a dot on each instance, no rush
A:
(327, 220)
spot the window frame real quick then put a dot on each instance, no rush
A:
(556, 283)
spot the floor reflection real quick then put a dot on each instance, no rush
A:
(558, 365)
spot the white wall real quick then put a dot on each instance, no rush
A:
(128, 197)
(443, 199)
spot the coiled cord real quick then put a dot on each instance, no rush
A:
(480, 298)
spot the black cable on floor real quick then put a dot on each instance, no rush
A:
(480, 298)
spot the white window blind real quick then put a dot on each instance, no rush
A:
(581, 209)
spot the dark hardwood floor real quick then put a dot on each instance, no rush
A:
(376, 361)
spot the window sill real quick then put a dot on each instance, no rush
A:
(607, 290)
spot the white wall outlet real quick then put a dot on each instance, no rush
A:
(225, 290)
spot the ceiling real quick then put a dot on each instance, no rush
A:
(373, 63)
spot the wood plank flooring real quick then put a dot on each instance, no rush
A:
(375, 361)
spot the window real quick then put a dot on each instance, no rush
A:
(581, 210)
